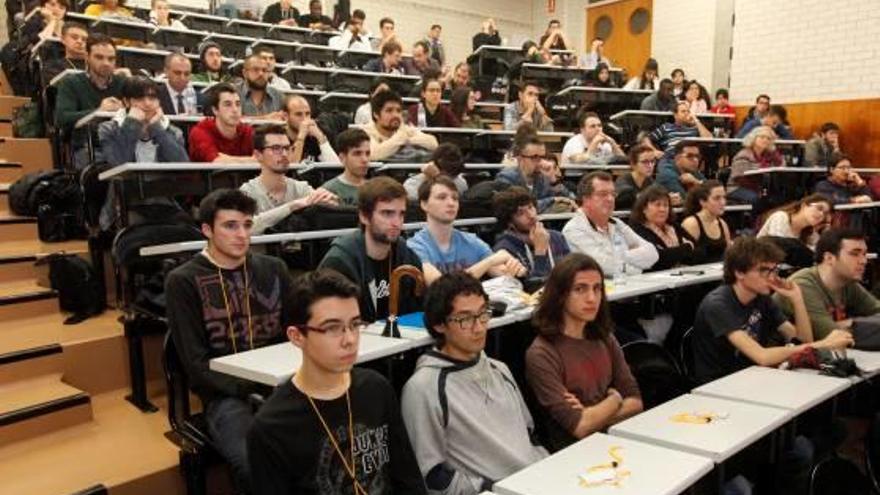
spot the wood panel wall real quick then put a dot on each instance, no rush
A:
(858, 121)
(623, 48)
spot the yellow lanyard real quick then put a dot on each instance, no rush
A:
(350, 469)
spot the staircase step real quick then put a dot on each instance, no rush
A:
(10, 172)
(8, 104)
(14, 227)
(22, 291)
(5, 128)
(33, 407)
(33, 154)
(32, 249)
(25, 308)
(23, 269)
(29, 363)
(4, 197)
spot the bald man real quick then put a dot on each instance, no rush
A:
(309, 142)
(177, 96)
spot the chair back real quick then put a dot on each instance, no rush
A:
(177, 385)
(836, 476)
(656, 372)
(686, 353)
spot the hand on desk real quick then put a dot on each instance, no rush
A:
(837, 339)
(319, 195)
(861, 199)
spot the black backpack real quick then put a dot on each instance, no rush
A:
(55, 198)
(22, 192)
(79, 290)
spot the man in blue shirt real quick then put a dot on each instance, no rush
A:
(682, 174)
(527, 174)
(775, 119)
(685, 125)
(443, 248)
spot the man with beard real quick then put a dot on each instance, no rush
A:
(258, 99)
(309, 142)
(354, 153)
(390, 139)
(211, 64)
(367, 257)
(527, 173)
(223, 137)
(277, 195)
(537, 248)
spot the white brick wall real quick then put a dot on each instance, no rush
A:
(806, 50)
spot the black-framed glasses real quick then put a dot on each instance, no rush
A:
(467, 322)
(337, 329)
(277, 148)
(534, 157)
(766, 271)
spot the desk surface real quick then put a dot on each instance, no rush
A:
(857, 206)
(740, 425)
(720, 140)
(497, 48)
(777, 388)
(789, 170)
(867, 361)
(595, 89)
(653, 470)
(655, 113)
(273, 364)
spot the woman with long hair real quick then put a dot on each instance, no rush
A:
(574, 327)
(800, 220)
(703, 209)
(653, 219)
(462, 103)
(697, 96)
(648, 78)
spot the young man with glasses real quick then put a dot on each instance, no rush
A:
(473, 426)
(223, 301)
(332, 428)
(832, 290)
(591, 145)
(529, 157)
(681, 175)
(528, 109)
(738, 324)
(277, 195)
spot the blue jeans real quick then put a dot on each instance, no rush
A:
(229, 420)
(744, 196)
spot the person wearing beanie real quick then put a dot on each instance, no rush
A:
(211, 58)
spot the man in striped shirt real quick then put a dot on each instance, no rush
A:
(686, 125)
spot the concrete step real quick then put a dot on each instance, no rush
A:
(36, 406)
(33, 154)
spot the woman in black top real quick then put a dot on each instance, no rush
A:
(653, 220)
(703, 224)
(640, 176)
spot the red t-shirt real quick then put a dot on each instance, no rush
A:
(206, 142)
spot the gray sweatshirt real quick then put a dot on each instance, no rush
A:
(468, 423)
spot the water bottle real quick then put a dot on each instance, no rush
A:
(620, 249)
(423, 119)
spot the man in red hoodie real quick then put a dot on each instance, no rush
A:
(222, 138)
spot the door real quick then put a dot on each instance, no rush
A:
(626, 28)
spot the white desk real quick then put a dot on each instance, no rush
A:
(684, 276)
(653, 470)
(718, 440)
(273, 364)
(867, 361)
(786, 170)
(595, 89)
(857, 206)
(797, 392)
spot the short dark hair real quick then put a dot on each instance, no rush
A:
(310, 288)
(385, 20)
(63, 3)
(225, 199)
(653, 193)
(762, 96)
(424, 45)
(436, 26)
(73, 25)
(440, 299)
(262, 131)
(218, 89)
(637, 150)
(428, 184)
(529, 82)
(358, 14)
(722, 92)
(314, 2)
(675, 71)
(262, 49)
(506, 203)
(584, 114)
(553, 21)
(139, 87)
(697, 194)
(529, 140)
(548, 317)
(779, 111)
(448, 158)
(391, 47)
(679, 147)
(350, 139)
(381, 99)
(829, 126)
(746, 252)
(832, 240)
(381, 188)
(378, 82)
(585, 186)
(96, 39)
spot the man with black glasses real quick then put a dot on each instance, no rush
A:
(527, 174)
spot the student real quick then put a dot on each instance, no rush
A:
(819, 149)
(389, 62)
(596, 55)
(443, 248)
(332, 428)
(258, 99)
(109, 8)
(553, 37)
(761, 108)
(393, 140)
(832, 292)
(429, 111)
(537, 249)
(722, 103)
(421, 62)
(775, 119)
(368, 256)
(99, 88)
(282, 12)
(386, 33)
(437, 51)
(277, 195)
(354, 36)
(574, 327)
(309, 141)
(661, 100)
(223, 301)
(601, 77)
(798, 220)
(224, 137)
(591, 145)
(843, 185)
(210, 64)
(73, 37)
(639, 178)
(653, 219)
(682, 173)
(177, 95)
(488, 35)
(758, 151)
(354, 154)
(465, 443)
(315, 19)
(737, 322)
(446, 160)
(678, 82)
(595, 232)
(703, 222)
(268, 55)
(685, 125)
(47, 22)
(364, 114)
(697, 96)
(463, 103)
(160, 15)
(527, 109)
(527, 174)
(648, 79)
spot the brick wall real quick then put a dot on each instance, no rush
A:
(806, 50)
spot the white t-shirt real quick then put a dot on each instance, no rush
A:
(577, 145)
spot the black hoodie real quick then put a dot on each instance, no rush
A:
(348, 256)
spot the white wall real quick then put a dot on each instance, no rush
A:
(806, 50)
(571, 13)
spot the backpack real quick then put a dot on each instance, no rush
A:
(55, 198)
(79, 290)
(20, 191)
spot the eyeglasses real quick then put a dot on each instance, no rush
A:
(467, 322)
(277, 148)
(533, 157)
(766, 271)
(605, 194)
(337, 330)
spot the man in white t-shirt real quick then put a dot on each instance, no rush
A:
(591, 145)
